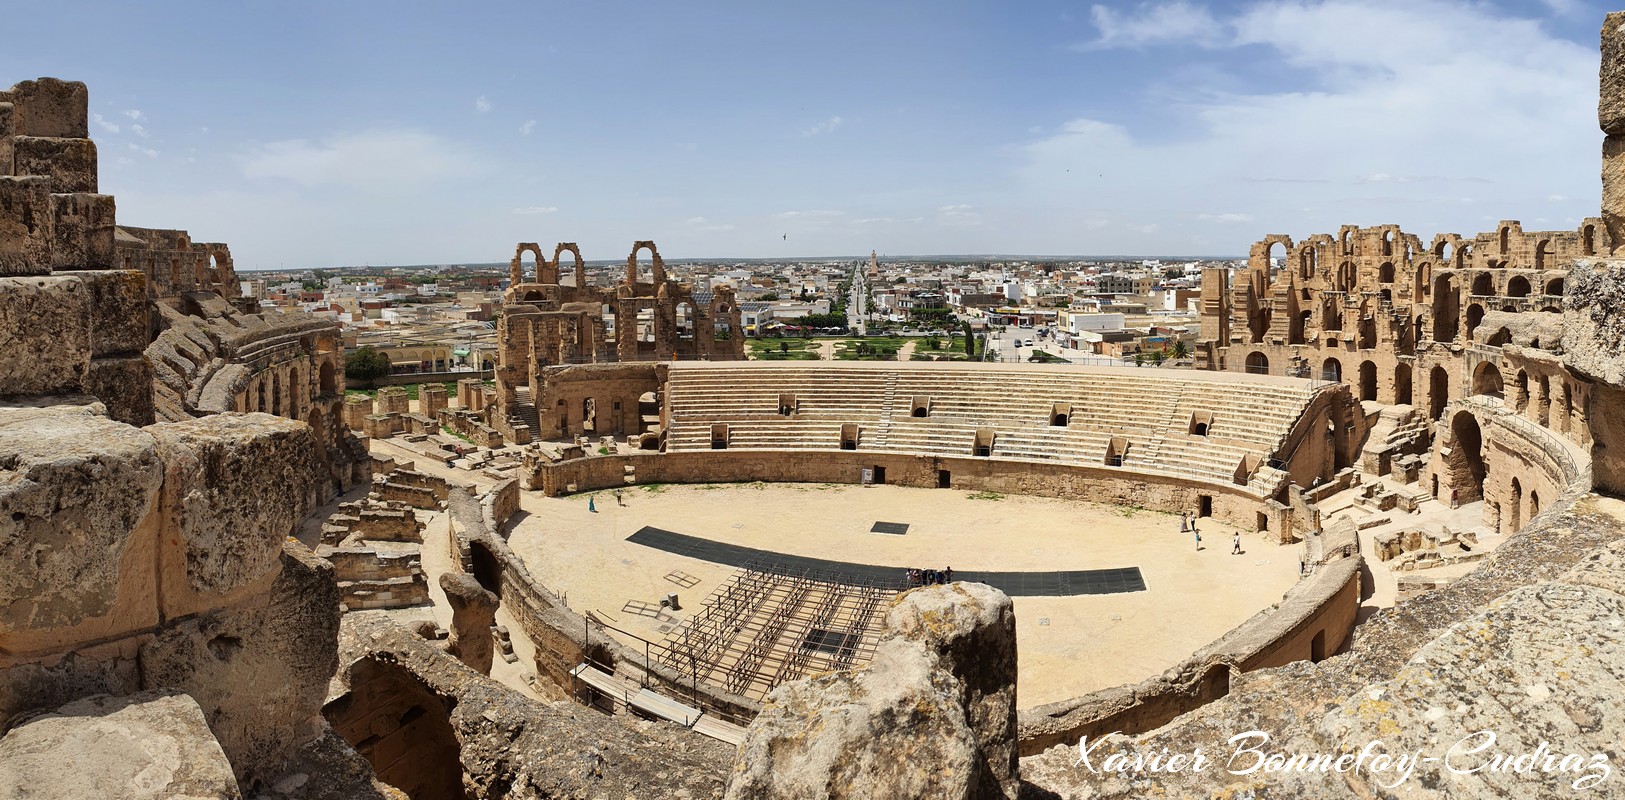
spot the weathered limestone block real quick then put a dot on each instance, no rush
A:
(118, 311)
(8, 129)
(1611, 76)
(1539, 665)
(1594, 318)
(933, 714)
(1613, 190)
(51, 107)
(70, 164)
(82, 232)
(972, 629)
(234, 486)
(45, 334)
(473, 612)
(25, 226)
(78, 495)
(149, 745)
(259, 669)
(124, 385)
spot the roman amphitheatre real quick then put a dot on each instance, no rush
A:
(667, 571)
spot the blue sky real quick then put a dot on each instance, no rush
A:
(406, 133)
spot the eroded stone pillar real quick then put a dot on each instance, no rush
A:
(473, 612)
(1611, 117)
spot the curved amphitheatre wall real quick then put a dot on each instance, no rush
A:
(563, 638)
(1312, 620)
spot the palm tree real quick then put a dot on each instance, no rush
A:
(1180, 350)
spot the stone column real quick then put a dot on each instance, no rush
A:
(1611, 117)
(473, 612)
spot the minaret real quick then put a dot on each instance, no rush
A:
(874, 265)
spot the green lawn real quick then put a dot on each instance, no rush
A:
(788, 348)
(412, 389)
(874, 348)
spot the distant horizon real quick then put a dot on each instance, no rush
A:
(730, 259)
(412, 133)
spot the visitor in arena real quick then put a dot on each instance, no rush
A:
(1235, 547)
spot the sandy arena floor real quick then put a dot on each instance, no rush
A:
(1067, 645)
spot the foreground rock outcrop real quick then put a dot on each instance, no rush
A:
(933, 715)
(148, 745)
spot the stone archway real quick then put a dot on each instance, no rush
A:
(1464, 461)
(1402, 384)
(1487, 380)
(1258, 363)
(1368, 380)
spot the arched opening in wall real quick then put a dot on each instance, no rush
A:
(1347, 277)
(1368, 380)
(1543, 403)
(1417, 330)
(1332, 319)
(293, 394)
(1520, 387)
(1258, 363)
(1518, 286)
(1331, 370)
(1300, 323)
(1420, 281)
(1514, 508)
(683, 315)
(1446, 308)
(589, 415)
(1317, 647)
(402, 727)
(1368, 331)
(487, 567)
(1475, 315)
(1502, 335)
(1534, 503)
(1487, 380)
(634, 268)
(1259, 324)
(329, 383)
(1588, 240)
(1402, 384)
(1306, 262)
(1385, 273)
(276, 394)
(530, 266)
(1505, 235)
(259, 397)
(1565, 407)
(1483, 285)
(1466, 461)
(1554, 287)
(1438, 392)
(1543, 248)
(533, 296)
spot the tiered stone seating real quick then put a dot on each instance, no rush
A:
(1247, 418)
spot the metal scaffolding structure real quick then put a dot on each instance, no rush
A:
(770, 624)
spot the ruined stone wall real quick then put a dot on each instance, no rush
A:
(174, 571)
(175, 265)
(593, 399)
(1230, 503)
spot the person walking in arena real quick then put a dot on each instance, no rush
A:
(1235, 546)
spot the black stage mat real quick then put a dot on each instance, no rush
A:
(898, 528)
(1015, 584)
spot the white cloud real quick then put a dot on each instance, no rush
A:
(816, 214)
(525, 129)
(481, 104)
(1370, 133)
(958, 214)
(371, 160)
(827, 126)
(1231, 217)
(1158, 22)
(146, 151)
(103, 123)
(138, 130)
(536, 210)
(135, 114)
(703, 224)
